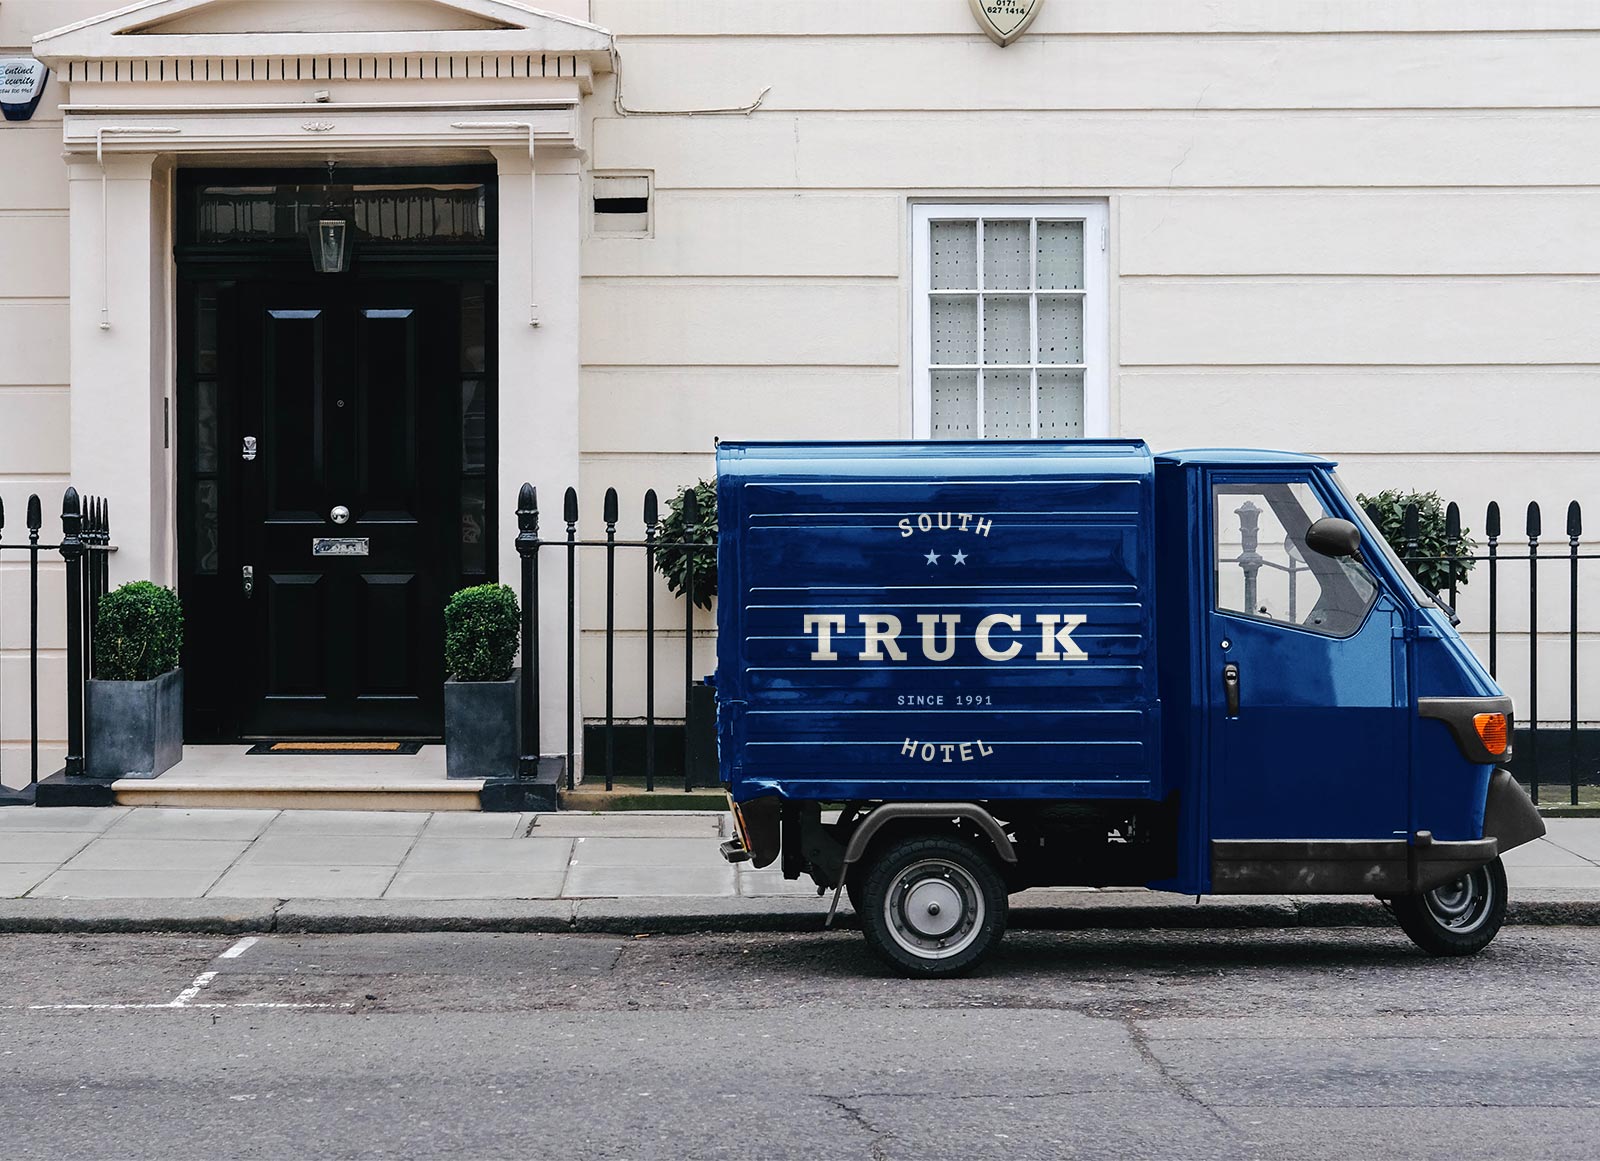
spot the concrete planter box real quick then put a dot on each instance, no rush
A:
(481, 735)
(134, 728)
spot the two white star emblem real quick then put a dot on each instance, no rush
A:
(958, 558)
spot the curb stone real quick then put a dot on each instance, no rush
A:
(668, 915)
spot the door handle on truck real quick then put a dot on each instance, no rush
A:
(1230, 688)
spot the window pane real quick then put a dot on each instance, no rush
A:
(1005, 256)
(474, 528)
(1264, 569)
(1007, 408)
(1060, 328)
(1005, 329)
(955, 330)
(402, 212)
(474, 425)
(955, 255)
(205, 427)
(205, 526)
(955, 404)
(205, 331)
(472, 326)
(1060, 262)
(1060, 404)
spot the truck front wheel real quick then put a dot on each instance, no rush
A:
(933, 906)
(1459, 918)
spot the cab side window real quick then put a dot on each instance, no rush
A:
(1264, 570)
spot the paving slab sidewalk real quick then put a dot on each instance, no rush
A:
(157, 868)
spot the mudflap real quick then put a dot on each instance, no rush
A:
(1509, 815)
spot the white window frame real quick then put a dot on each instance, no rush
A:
(1096, 294)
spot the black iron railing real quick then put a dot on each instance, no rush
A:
(1539, 743)
(85, 548)
(698, 766)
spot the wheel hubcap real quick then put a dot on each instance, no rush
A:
(934, 909)
(1463, 905)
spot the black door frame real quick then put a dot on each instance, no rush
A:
(212, 713)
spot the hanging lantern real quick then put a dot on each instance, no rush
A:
(330, 245)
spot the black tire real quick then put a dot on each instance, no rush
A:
(932, 907)
(1459, 918)
(853, 887)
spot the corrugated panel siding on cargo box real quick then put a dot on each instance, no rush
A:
(957, 633)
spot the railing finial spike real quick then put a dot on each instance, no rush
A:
(527, 509)
(609, 508)
(569, 506)
(1535, 523)
(651, 508)
(35, 513)
(1574, 521)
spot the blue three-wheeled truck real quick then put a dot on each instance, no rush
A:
(951, 671)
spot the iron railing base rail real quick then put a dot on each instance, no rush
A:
(538, 794)
(63, 789)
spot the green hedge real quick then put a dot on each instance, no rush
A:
(672, 558)
(138, 632)
(481, 628)
(1388, 512)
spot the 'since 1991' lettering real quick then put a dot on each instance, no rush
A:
(998, 636)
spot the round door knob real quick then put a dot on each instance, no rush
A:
(340, 514)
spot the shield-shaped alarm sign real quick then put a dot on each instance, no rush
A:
(1005, 20)
(21, 85)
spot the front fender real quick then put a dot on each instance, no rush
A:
(1509, 815)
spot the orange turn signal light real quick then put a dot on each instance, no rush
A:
(1492, 730)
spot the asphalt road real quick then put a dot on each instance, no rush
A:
(1270, 1044)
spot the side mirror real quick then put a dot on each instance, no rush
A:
(1334, 537)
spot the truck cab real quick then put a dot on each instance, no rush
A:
(948, 672)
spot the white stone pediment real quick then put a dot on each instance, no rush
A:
(221, 17)
(223, 30)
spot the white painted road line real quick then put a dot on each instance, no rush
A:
(193, 990)
(185, 999)
(203, 1007)
(240, 948)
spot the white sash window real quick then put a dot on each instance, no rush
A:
(1010, 321)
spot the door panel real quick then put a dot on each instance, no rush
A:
(388, 659)
(349, 382)
(1318, 746)
(387, 459)
(290, 417)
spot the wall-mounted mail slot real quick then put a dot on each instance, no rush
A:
(339, 546)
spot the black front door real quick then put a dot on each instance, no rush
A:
(335, 445)
(341, 510)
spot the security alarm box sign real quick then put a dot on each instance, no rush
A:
(21, 85)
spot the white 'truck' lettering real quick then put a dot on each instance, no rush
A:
(1051, 637)
(881, 629)
(824, 625)
(987, 625)
(930, 623)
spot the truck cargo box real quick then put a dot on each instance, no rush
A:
(945, 621)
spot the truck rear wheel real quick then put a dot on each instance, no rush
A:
(1459, 918)
(933, 906)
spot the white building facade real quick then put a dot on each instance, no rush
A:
(586, 241)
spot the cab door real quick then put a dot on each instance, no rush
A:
(1306, 675)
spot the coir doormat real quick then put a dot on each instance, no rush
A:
(319, 747)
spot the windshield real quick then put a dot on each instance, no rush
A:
(1372, 536)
